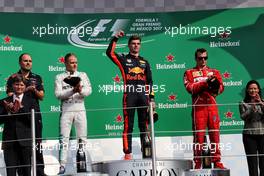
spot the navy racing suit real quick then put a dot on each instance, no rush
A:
(137, 77)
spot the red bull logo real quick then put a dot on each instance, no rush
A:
(136, 77)
(136, 70)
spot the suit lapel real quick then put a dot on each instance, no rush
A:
(24, 102)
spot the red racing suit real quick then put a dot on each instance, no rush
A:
(204, 110)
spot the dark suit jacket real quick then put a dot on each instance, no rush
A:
(17, 126)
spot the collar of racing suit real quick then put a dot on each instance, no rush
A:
(134, 57)
(201, 68)
(29, 74)
(76, 73)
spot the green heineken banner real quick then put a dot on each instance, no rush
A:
(233, 38)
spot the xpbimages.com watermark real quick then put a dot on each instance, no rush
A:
(42, 31)
(73, 147)
(115, 88)
(183, 146)
(189, 29)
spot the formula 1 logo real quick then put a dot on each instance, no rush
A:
(94, 36)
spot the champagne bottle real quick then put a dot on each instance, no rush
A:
(81, 158)
(155, 114)
(146, 147)
(206, 155)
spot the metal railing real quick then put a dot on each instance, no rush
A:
(153, 132)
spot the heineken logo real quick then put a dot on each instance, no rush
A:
(9, 45)
(172, 97)
(7, 39)
(170, 64)
(170, 58)
(229, 114)
(117, 79)
(226, 75)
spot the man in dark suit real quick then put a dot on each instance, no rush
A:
(17, 141)
(34, 87)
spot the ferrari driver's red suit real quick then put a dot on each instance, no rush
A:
(204, 110)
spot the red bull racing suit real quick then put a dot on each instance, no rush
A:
(137, 79)
(204, 110)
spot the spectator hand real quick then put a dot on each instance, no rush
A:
(31, 88)
(8, 106)
(12, 107)
(257, 98)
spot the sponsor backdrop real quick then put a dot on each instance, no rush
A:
(169, 41)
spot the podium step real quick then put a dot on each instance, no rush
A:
(143, 167)
(208, 172)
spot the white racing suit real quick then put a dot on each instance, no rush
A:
(73, 111)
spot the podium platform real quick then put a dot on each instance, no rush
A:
(208, 172)
(143, 167)
(85, 174)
